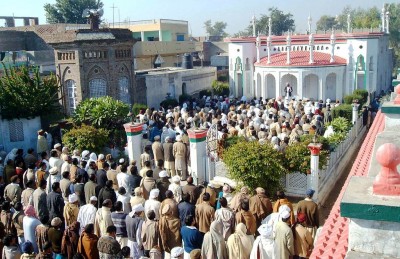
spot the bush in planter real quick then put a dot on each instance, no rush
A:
(343, 110)
(255, 165)
(336, 138)
(166, 104)
(86, 137)
(348, 99)
(340, 124)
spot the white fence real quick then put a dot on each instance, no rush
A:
(296, 184)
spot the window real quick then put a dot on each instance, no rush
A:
(16, 129)
(180, 37)
(71, 98)
(97, 88)
(123, 85)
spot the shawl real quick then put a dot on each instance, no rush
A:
(239, 244)
(235, 202)
(170, 230)
(69, 243)
(70, 213)
(214, 244)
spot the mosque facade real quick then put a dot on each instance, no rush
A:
(317, 66)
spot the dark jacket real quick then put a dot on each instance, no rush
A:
(106, 193)
(55, 205)
(135, 181)
(185, 209)
(101, 177)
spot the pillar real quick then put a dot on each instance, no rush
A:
(354, 116)
(142, 35)
(198, 155)
(315, 149)
(134, 137)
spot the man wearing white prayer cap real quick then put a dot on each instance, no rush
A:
(177, 253)
(152, 203)
(284, 243)
(264, 243)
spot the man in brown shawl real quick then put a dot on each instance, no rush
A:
(237, 200)
(87, 244)
(282, 200)
(260, 206)
(42, 232)
(171, 202)
(69, 243)
(204, 214)
(150, 233)
(170, 227)
(244, 216)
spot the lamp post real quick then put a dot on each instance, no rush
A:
(315, 149)
(201, 56)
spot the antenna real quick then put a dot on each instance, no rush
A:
(113, 7)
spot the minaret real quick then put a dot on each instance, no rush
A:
(348, 23)
(258, 45)
(309, 23)
(288, 48)
(311, 44)
(383, 17)
(254, 25)
(333, 41)
(269, 40)
(387, 16)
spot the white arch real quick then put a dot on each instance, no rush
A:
(70, 86)
(270, 86)
(331, 84)
(292, 80)
(311, 86)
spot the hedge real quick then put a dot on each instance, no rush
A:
(343, 110)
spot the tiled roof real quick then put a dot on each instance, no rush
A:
(332, 242)
(301, 59)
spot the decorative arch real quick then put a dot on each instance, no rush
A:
(97, 88)
(292, 80)
(70, 87)
(311, 86)
(238, 77)
(331, 80)
(361, 82)
(270, 86)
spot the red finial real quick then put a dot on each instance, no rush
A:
(387, 182)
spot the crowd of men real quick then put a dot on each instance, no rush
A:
(62, 204)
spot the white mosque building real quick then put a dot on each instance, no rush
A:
(317, 66)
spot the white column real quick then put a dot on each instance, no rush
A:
(387, 22)
(142, 36)
(269, 44)
(134, 137)
(160, 35)
(311, 45)
(258, 46)
(315, 149)
(198, 155)
(289, 46)
(383, 14)
(354, 116)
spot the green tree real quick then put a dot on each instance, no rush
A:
(24, 93)
(220, 88)
(326, 22)
(68, 11)
(394, 37)
(218, 29)
(281, 23)
(255, 165)
(86, 137)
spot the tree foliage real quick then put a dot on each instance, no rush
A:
(220, 88)
(281, 23)
(86, 137)
(68, 11)
(24, 93)
(326, 22)
(255, 165)
(216, 29)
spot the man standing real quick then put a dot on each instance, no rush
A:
(134, 223)
(227, 217)
(13, 191)
(87, 213)
(204, 214)
(157, 149)
(101, 175)
(153, 204)
(148, 183)
(170, 227)
(180, 154)
(150, 233)
(90, 187)
(39, 198)
(185, 208)
(284, 243)
(310, 209)
(192, 190)
(244, 216)
(123, 179)
(107, 245)
(118, 219)
(107, 193)
(65, 185)
(55, 202)
(260, 205)
(171, 202)
(26, 196)
(163, 184)
(169, 162)
(103, 218)
(282, 200)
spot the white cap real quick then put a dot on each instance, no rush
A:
(285, 214)
(57, 145)
(93, 198)
(100, 157)
(265, 230)
(121, 161)
(53, 170)
(162, 173)
(154, 193)
(178, 138)
(157, 137)
(176, 179)
(138, 208)
(176, 252)
(72, 198)
(85, 153)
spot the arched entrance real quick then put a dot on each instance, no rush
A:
(292, 80)
(311, 87)
(331, 86)
(270, 86)
(360, 73)
(258, 86)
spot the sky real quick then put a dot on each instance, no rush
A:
(236, 13)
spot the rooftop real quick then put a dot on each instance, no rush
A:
(301, 59)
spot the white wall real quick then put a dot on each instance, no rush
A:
(30, 128)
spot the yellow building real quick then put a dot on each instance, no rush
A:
(159, 42)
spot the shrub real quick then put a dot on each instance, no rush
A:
(336, 138)
(363, 93)
(169, 103)
(298, 156)
(86, 137)
(220, 88)
(205, 92)
(255, 165)
(340, 124)
(184, 97)
(348, 99)
(137, 107)
(343, 110)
